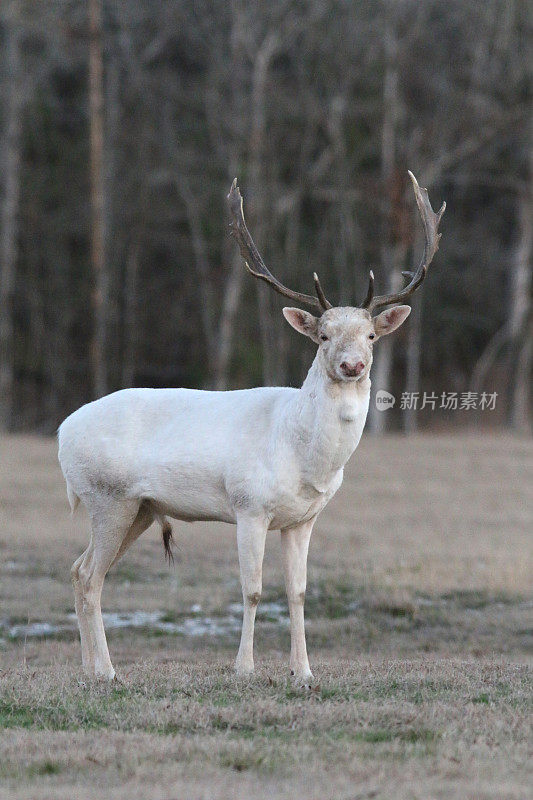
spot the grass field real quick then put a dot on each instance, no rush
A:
(419, 617)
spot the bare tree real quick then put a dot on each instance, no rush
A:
(131, 307)
(11, 147)
(259, 187)
(501, 61)
(521, 310)
(318, 108)
(100, 295)
(392, 253)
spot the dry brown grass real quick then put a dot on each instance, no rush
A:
(419, 620)
(398, 728)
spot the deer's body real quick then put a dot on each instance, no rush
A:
(264, 459)
(193, 455)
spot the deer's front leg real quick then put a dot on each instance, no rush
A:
(294, 548)
(251, 535)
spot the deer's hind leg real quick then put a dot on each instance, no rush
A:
(115, 525)
(251, 536)
(86, 652)
(143, 520)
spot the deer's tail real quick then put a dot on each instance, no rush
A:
(168, 539)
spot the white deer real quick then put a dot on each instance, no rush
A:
(263, 459)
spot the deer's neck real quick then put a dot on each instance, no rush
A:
(327, 420)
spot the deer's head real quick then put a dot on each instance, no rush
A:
(345, 335)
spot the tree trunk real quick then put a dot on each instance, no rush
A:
(521, 313)
(9, 215)
(201, 260)
(100, 297)
(259, 208)
(292, 243)
(517, 329)
(412, 377)
(226, 324)
(111, 215)
(521, 409)
(131, 321)
(381, 373)
(231, 259)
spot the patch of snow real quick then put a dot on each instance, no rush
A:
(153, 620)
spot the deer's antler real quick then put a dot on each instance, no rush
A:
(255, 264)
(432, 236)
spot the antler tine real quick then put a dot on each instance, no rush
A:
(255, 264)
(324, 302)
(370, 292)
(431, 222)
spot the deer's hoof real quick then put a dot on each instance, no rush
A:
(244, 670)
(105, 675)
(303, 678)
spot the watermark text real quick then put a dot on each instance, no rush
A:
(445, 401)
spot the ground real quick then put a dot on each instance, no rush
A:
(419, 629)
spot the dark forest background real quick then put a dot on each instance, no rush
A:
(122, 124)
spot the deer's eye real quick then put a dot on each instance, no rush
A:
(371, 335)
(324, 337)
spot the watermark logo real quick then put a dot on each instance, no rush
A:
(446, 401)
(384, 400)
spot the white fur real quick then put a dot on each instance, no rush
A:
(265, 459)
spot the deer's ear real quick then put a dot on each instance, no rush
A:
(389, 320)
(302, 321)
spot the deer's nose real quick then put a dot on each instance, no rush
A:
(352, 370)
